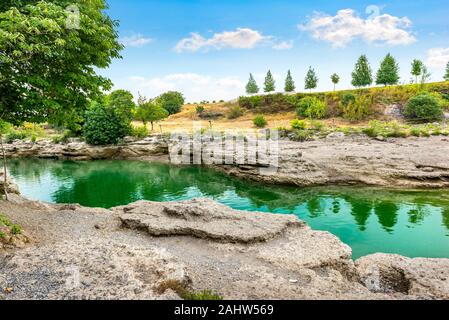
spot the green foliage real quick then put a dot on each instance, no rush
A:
(139, 132)
(335, 78)
(5, 221)
(446, 75)
(16, 229)
(235, 112)
(103, 126)
(47, 72)
(362, 74)
(269, 84)
(311, 107)
(260, 121)
(151, 112)
(417, 68)
(25, 131)
(199, 109)
(358, 108)
(251, 87)
(122, 104)
(386, 129)
(298, 124)
(202, 295)
(289, 83)
(388, 73)
(424, 107)
(64, 138)
(311, 80)
(172, 101)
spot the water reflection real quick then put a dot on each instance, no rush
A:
(355, 215)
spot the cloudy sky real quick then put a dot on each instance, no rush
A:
(206, 49)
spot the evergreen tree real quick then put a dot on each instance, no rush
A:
(251, 87)
(311, 80)
(388, 73)
(446, 76)
(362, 74)
(269, 85)
(289, 83)
(335, 79)
(417, 68)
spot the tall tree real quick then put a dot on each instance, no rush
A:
(150, 111)
(335, 79)
(425, 74)
(416, 68)
(446, 76)
(362, 75)
(388, 73)
(311, 80)
(48, 68)
(172, 101)
(269, 84)
(251, 86)
(289, 83)
(122, 103)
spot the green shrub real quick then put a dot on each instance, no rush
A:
(357, 109)
(260, 121)
(317, 125)
(16, 229)
(301, 135)
(202, 295)
(140, 132)
(311, 107)
(298, 124)
(347, 98)
(235, 112)
(102, 126)
(415, 131)
(199, 109)
(423, 107)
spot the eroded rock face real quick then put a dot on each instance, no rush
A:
(204, 218)
(11, 187)
(89, 269)
(418, 277)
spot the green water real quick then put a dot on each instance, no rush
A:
(410, 223)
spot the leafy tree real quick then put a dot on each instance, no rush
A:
(47, 71)
(251, 87)
(388, 73)
(269, 84)
(122, 103)
(446, 76)
(417, 68)
(311, 80)
(151, 112)
(425, 74)
(335, 79)
(103, 126)
(289, 83)
(362, 74)
(172, 101)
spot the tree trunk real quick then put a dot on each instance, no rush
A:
(152, 127)
(4, 170)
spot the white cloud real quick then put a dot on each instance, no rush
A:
(437, 57)
(346, 26)
(136, 40)
(283, 45)
(242, 38)
(195, 87)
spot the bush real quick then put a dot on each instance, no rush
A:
(102, 126)
(358, 108)
(312, 108)
(298, 124)
(235, 112)
(260, 121)
(199, 109)
(139, 132)
(424, 107)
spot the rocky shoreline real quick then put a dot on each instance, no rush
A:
(149, 250)
(335, 160)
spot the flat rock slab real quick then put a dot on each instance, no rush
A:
(89, 269)
(418, 277)
(204, 218)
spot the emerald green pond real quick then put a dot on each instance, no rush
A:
(410, 223)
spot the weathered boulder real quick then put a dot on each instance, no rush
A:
(11, 187)
(418, 277)
(204, 218)
(90, 269)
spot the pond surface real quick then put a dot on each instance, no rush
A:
(410, 223)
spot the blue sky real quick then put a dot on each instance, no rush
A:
(206, 49)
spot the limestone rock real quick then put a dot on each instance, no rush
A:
(419, 277)
(204, 218)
